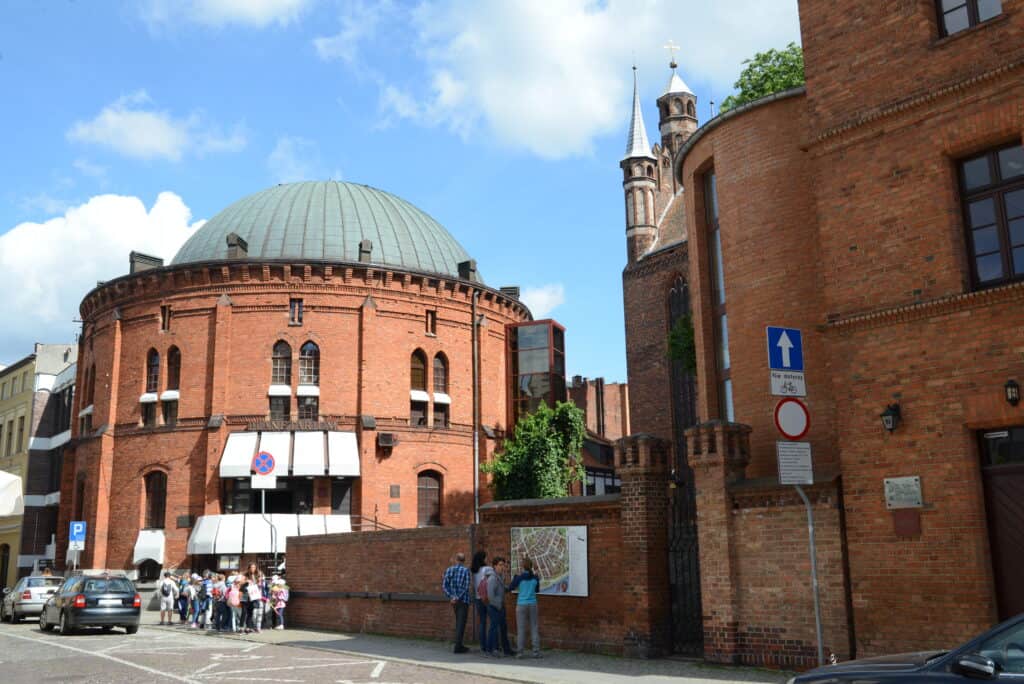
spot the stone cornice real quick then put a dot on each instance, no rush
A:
(1013, 292)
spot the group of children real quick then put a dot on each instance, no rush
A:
(489, 585)
(235, 603)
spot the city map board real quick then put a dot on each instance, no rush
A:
(559, 557)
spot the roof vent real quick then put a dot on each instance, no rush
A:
(467, 269)
(138, 262)
(511, 291)
(365, 249)
(237, 247)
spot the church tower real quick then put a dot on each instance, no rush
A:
(639, 184)
(677, 112)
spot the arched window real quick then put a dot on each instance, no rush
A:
(428, 499)
(440, 374)
(418, 371)
(677, 105)
(156, 500)
(418, 396)
(153, 371)
(683, 383)
(173, 368)
(689, 108)
(650, 171)
(281, 368)
(309, 364)
(441, 399)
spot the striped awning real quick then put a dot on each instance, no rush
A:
(253, 533)
(298, 454)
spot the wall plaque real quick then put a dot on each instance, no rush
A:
(903, 492)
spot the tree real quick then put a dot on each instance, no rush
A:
(767, 73)
(541, 459)
(681, 346)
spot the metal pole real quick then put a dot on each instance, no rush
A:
(475, 339)
(814, 574)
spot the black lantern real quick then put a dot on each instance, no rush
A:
(1012, 391)
(891, 417)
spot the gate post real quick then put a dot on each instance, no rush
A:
(641, 462)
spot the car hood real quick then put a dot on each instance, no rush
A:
(888, 663)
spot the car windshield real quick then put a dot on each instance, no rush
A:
(103, 586)
(43, 582)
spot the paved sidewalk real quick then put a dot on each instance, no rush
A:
(568, 667)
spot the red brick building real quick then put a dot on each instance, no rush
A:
(332, 325)
(880, 210)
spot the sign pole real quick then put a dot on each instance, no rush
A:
(814, 574)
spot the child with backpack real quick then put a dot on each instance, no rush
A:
(234, 604)
(279, 600)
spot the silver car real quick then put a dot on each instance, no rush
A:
(27, 597)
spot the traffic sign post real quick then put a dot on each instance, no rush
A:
(76, 539)
(786, 362)
(265, 478)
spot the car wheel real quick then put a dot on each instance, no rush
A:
(15, 618)
(65, 627)
(131, 629)
(44, 626)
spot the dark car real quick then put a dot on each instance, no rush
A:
(27, 596)
(996, 654)
(105, 601)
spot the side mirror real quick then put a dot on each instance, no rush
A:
(976, 666)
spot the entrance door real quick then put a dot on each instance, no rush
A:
(1003, 476)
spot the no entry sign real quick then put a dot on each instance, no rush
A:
(792, 418)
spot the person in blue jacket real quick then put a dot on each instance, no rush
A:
(528, 585)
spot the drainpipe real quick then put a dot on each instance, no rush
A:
(476, 410)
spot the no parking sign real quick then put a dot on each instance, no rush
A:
(263, 471)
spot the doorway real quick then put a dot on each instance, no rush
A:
(1002, 470)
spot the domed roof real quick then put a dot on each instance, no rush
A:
(325, 221)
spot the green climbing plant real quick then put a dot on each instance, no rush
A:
(681, 346)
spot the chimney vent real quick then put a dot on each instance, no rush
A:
(138, 262)
(467, 269)
(237, 247)
(365, 249)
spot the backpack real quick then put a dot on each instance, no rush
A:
(165, 589)
(201, 593)
(481, 590)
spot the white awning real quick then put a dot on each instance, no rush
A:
(342, 454)
(148, 398)
(257, 535)
(149, 546)
(238, 452)
(87, 411)
(418, 395)
(338, 523)
(278, 445)
(203, 536)
(280, 391)
(311, 524)
(308, 391)
(285, 525)
(442, 398)
(309, 454)
(230, 534)
(12, 500)
(170, 395)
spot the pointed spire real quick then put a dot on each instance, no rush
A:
(676, 84)
(636, 142)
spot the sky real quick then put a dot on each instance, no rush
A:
(126, 124)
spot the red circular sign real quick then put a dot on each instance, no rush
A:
(263, 464)
(792, 418)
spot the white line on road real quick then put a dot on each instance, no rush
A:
(377, 670)
(293, 667)
(54, 643)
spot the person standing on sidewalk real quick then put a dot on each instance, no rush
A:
(480, 572)
(496, 589)
(168, 596)
(526, 608)
(456, 587)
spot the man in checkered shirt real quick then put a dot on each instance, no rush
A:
(456, 588)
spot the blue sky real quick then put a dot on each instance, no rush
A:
(126, 123)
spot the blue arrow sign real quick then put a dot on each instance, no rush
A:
(77, 533)
(785, 349)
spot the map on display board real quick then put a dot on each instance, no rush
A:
(559, 557)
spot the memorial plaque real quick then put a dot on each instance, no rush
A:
(903, 492)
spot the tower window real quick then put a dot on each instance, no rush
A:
(295, 312)
(156, 500)
(149, 414)
(309, 408)
(165, 318)
(281, 364)
(170, 413)
(173, 368)
(280, 408)
(431, 322)
(153, 371)
(309, 364)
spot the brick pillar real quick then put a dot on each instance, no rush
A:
(719, 453)
(641, 461)
(100, 481)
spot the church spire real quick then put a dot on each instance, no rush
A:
(637, 145)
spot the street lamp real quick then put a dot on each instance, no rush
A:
(891, 417)
(1012, 391)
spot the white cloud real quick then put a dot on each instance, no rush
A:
(133, 128)
(544, 299)
(257, 13)
(295, 159)
(46, 268)
(549, 77)
(359, 21)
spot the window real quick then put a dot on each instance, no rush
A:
(723, 362)
(295, 312)
(170, 413)
(440, 374)
(341, 497)
(10, 437)
(153, 371)
(21, 433)
(149, 414)
(173, 368)
(165, 318)
(441, 415)
(418, 389)
(309, 408)
(281, 369)
(429, 499)
(25, 384)
(280, 408)
(431, 322)
(958, 15)
(993, 196)
(3, 391)
(1007, 649)
(309, 364)
(156, 500)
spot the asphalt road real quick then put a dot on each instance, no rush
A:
(165, 655)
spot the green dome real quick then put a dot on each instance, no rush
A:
(325, 221)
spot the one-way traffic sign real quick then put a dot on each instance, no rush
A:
(785, 349)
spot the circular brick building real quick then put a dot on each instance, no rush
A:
(327, 324)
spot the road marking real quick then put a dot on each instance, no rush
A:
(292, 667)
(377, 670)
(55, 643)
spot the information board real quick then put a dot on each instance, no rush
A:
(559, 556)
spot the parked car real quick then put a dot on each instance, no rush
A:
(998, 653)
(105, 601)
(27, 597)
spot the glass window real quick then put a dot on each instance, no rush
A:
(341, 497)
(280, 408)
(149, 414)
(295, 311)
(309, 364)
(281, 364)
(309, 408)
(957, 15)
(532, 336)
(428, 499)
(1002, 447)
(21, 433)
(156, 500)
(170, 413)
(1007, 649)
(440, 415)
(165, 318)
(153, 371)
(173, 368)
(440, 374)
(431, 322)
(993, 196)
(533, 361)
(418, 413)
(418, 371)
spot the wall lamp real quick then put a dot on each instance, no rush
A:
(891, 417)
(1012, 391)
